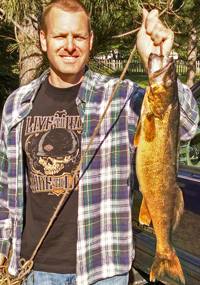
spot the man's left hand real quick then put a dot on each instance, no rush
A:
(151, 35)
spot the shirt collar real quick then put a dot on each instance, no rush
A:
(30, 96)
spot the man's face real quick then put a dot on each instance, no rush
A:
(67, 43)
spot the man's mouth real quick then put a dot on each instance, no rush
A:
(69, 58)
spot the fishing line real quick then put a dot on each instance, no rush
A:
(26, 266)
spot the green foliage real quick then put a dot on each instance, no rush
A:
(20, 9)
(109, 18)
(8, 61)
(186, 20)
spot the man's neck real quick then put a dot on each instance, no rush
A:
(63, 81)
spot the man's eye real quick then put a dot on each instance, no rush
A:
(59, 37)
(79, 38)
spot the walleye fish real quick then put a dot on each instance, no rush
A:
(157, 140)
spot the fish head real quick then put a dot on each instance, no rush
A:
(163, 84)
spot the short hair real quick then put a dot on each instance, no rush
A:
(67, 6)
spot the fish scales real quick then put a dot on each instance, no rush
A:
(157, 139)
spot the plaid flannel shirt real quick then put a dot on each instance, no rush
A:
(104, 241)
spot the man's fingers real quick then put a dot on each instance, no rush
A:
(152, 33)
(157, 31)
(152, 14)
(2, 259)
(145, 13)
(151, 19)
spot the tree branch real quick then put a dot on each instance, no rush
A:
(167, 10)
(126, 34)
(18, 26)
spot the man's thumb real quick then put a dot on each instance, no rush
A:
(144, 16)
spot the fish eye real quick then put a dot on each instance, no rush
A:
(168, 82)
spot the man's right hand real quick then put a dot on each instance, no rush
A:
(152, 34)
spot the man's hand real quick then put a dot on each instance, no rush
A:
(2, 259)
(151, 35)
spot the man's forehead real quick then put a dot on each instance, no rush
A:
(55, 10)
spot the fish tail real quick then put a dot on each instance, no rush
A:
(167, 265)
(179, 207)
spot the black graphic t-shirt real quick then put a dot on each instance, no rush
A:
(51, 143)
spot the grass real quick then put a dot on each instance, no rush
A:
(142, 80)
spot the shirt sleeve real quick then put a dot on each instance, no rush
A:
(5, 220)
(189, 114)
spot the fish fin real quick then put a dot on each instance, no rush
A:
(149, 127)
(144, 216)
(179, 207)
(169, 266)
(137, 134)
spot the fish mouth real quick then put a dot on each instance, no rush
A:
(158, 64)
(158, 68)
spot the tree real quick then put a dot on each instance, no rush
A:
(9, 63)
(24, 16)
(183, 17)
(187, 30)
(109, 18)
(192, 57)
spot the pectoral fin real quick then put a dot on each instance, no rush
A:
(149, 127)
(144, 216)
(179, 207)
(137, 134)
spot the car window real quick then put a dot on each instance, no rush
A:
(189, 153)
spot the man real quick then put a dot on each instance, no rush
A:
(46, 126)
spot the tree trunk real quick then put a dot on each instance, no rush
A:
(30, 55)
(192, 55)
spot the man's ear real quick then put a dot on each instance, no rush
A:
(43, 41)
(91, 39)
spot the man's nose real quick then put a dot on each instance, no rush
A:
(69, 44)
